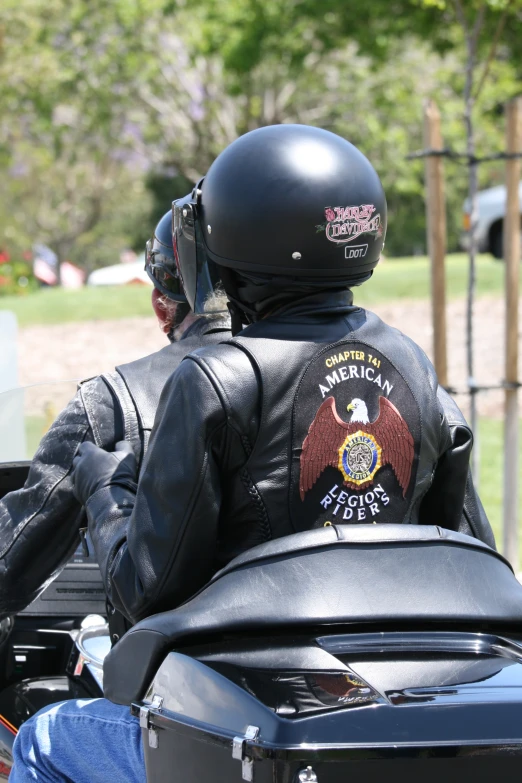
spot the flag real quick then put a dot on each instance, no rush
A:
(45, 264)
(43, 272)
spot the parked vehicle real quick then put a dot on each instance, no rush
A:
(491, 209)
(131, 273)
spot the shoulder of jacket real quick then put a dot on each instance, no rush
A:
(85, 381)
(170, 351)
(173, 353)
(231, 370)
(157, 366)
(227, 351)
(451, 410)
(92, 386)
(380, 327)
(414, 347)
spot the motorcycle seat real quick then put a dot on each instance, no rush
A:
(347, 575)
(355, 534)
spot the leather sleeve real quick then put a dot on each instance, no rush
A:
(158, 547)
(39, 523)
(452, 501)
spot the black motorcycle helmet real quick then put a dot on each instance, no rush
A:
(160, 263)
(283, 207)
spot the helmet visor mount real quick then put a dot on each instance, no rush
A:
(159, 268)
(199, 274)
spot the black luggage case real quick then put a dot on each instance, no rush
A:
(198, 724)
(345, 653)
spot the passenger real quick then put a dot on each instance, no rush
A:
(39, 524)
(316, 413)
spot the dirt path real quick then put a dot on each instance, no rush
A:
(80, 350)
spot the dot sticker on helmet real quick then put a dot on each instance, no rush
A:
(357, 251)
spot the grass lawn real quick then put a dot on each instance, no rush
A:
(396, 278)
(404, 278)
(491, 477)
(92, 303)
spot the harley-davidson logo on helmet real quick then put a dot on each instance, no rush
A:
(344, 224)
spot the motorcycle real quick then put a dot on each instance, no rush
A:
(349, 651)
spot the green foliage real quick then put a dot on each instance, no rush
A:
(162, 190)
(107, 107)
(64, 126)
(16, 278)
(247, 32)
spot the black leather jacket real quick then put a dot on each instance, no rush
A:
(39, 524)
(253, 441)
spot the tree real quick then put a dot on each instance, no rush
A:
(103, 102)
(246, 32)
(66, 130)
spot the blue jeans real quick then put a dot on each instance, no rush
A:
(84, 741)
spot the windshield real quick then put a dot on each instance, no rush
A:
(26, 413)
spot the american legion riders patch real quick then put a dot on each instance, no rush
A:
(356, 437)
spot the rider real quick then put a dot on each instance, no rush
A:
(316, 413)
(39, 524)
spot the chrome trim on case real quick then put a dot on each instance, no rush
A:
(427, 641)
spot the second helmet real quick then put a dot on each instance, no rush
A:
(160, 263)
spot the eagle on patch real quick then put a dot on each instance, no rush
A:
(358, 448)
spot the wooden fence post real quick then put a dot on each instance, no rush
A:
(436, 227)
(512, 261)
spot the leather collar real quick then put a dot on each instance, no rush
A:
(206, 326)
